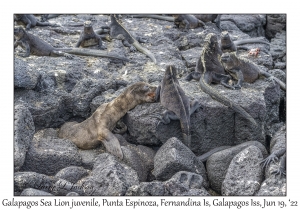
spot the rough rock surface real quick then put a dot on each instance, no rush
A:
(250, 24)
(34, 192)
(109, 177)
(182, 183)
(50, 155)
(24, 76)
(276, 23)
(215, 124)
(173, 157)
(72, 173)
(275, 184)
(140, 158)
(186, 183)
(23, 180)
(23, 133)
(244, 174)
(218, 163)
(154, 188)
(63, 187)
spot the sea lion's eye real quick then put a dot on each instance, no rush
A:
(146, 87)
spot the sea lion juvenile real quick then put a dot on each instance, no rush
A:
(97, 128)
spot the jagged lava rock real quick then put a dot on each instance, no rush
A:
(244, 174)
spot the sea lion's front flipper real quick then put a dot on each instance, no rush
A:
(112, 144)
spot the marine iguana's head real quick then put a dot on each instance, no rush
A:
(225, 35)
(19, 32)
(18, 16)
(142, 92)
(227, 60)
(87, 24)
(225, 38)
(171, 72)
(211, 44)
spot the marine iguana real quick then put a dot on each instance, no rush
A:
(217, 70)
(178, 105)
(203, 17)
(46, 17)
(206, 155)
(31, 21)
(273, 158)
(118, 31)
(36, 46)
(188, 21)
(227, 45)
(98, 127)
(276, 154)
(210, 49)
(88, 37)
(159, 17)
(209, 17)
(243, 69)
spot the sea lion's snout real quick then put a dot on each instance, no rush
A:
(152, 96)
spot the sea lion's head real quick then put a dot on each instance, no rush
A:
(143, 92)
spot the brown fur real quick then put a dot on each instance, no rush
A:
(97, 128)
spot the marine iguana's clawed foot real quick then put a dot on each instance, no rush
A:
(237, 87)
(268, 160)
(141, 40)
(102, 47)
(132, 49)
(165, 117)
(157, 116)
(69, 56)
(280, 171)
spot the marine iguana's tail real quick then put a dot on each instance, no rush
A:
(137, 45)
(222, 99)
(250, 41)
(160, 17)
(206, 155)
(91, 52)
(268, 75)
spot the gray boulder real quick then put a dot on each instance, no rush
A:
(62, 187)
(84, 92)
(244, 174)
(276, 23)
(278, 47)
(252, 24)
(275, 184)
(154, 188)
(24, 76)
(214, 124)
(47, 109)
(273, 187)
(109, 177)
(186, 183)
(173, 157)
(88, 157)
(23, 133)
(72, 173)
(182, 183)
(218, 163)
(34, 192)
(140, 158)
(50, 155)
(23, 180)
